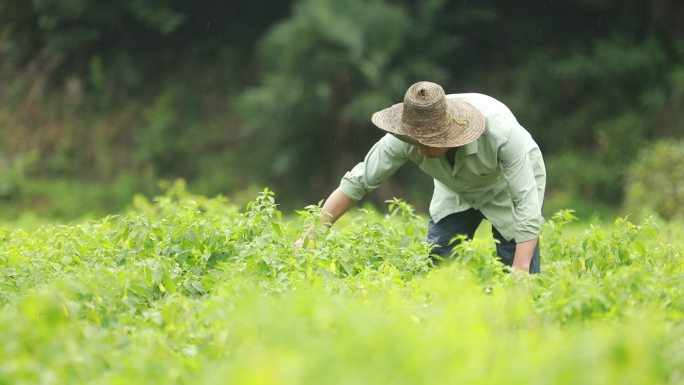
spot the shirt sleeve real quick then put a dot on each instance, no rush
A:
(516, 163)
(383, 159)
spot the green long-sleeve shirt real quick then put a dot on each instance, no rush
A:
(502, 173)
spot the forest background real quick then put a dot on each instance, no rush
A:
(103, 100)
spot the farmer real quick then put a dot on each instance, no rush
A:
(485, 165)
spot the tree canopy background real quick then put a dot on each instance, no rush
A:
(100, 100)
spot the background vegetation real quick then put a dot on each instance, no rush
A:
(99, 101)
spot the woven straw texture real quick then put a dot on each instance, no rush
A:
(428, 118)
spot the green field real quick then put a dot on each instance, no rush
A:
(189, 290)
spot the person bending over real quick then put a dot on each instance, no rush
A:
(485, 165)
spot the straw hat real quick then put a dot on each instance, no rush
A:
(428, 118)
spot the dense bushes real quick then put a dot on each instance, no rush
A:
(656, 180)
(185, 289)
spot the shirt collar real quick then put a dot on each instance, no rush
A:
(471, 148)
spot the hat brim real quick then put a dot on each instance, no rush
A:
(463, 125)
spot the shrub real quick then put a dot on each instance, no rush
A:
(189, 290)
(656, 180)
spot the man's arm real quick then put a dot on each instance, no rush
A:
(523, 255)
(335, 206)
(383, 159)
(518, 171)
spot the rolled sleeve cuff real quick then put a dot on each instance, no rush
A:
(352, 190)
(528, 231)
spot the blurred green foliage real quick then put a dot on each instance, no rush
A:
(13, 173)
(656, 180)
(183, 289)
(279, 93)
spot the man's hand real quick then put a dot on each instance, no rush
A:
(299, 243)
(518, 274)
(308, 236)
(336, 205)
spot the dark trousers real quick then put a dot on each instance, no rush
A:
(466, 222)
